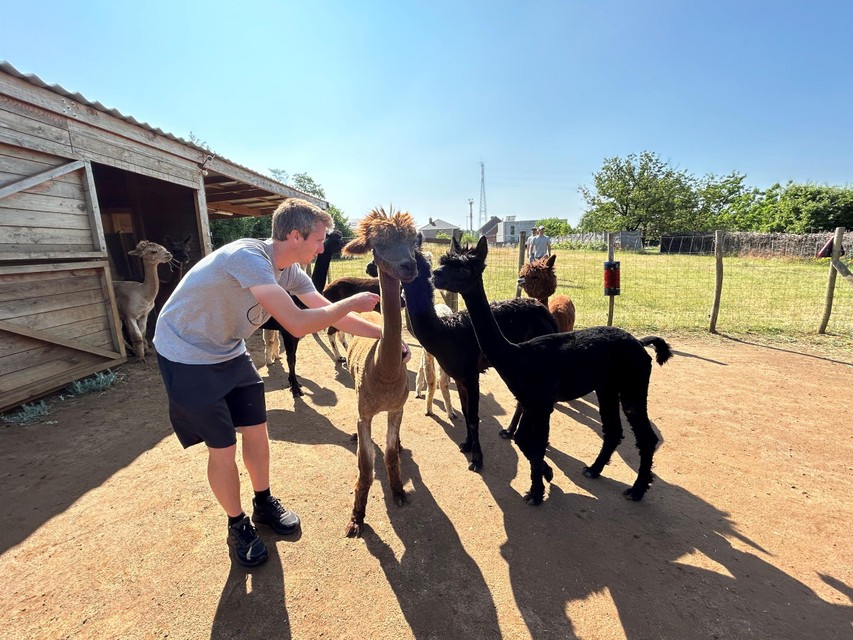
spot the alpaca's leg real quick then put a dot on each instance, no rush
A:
(444, 385)
(271, 347)
(429, 367)
(635, 407)
(143, 329)
(365, 478)
(332, 333)
(509, 432)
(611, 425)
(290, 345)
(420, 378)
(392, 457)
(137, 339)
(469, 396)
(532, 439)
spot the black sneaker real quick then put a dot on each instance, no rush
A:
(244, 545)
(272, 514)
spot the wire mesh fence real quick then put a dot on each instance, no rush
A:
(772, 285)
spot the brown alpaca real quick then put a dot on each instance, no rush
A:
(381, 378)
(135, 300)
(539, 281)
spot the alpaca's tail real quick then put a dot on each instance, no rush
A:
(662, 349)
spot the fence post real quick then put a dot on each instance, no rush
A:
(718, 287)
(522, 255)
(611, 237)
(830, 284)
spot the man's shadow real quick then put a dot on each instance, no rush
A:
(671, 552)
(252, 605)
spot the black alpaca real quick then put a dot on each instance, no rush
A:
(332, 245)
(562, 366)
(452, 342)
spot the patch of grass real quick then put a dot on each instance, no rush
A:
(101, 381)
(27, 413)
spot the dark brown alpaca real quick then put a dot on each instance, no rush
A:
(538, 279)
(559, 367)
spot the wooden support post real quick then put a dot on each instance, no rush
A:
(830, 285)
(718, 286)
(522, 256)
(611, 239)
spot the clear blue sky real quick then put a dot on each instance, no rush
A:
(398, 102)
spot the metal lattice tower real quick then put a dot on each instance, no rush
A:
(483, 216)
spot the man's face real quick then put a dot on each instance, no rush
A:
(312, 246)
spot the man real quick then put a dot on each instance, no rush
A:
(540, 244)
(214, 388)
(529, 243)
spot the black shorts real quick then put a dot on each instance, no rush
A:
(207, 402)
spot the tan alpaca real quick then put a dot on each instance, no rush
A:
(136, 299)
(539, 281)
(426, 378)
(381, 378)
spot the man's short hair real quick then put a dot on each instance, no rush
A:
(298, 214)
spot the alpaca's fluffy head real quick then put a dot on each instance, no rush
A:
(151, 252)
(462, 267)
(392, 237)
(539, 278)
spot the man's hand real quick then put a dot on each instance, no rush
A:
(363, 301)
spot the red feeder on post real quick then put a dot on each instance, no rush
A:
(611, 278)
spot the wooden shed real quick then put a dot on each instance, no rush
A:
(80, 185)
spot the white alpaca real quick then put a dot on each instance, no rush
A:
(136, 299)
(426, 378)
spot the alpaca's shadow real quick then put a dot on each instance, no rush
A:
(671, 552)
(252, 604)
(441, 590)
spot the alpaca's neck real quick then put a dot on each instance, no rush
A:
(543, 300)
(493, 344)
(389, 357)
(321, 270)
(151, 284)
(419, 304)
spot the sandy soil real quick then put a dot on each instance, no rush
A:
(110, 531)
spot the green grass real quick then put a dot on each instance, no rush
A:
(778, 300)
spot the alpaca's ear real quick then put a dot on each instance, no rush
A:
(420, 240)
(551, 261)
(356, 247)
(133, 252)
(482, 247)
(187, 239)
(454, 245)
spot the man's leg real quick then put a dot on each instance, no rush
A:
(256, 455)
(224, 478)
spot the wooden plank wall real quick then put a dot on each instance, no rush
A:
(65, 302)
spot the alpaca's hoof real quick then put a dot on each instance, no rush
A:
(354, 529)
(548, 473)
(475, 465)
(451, 415)
(400, 498)
(353, 437)
(591, 473)
(420, 396)
(505, 434)
(634, 494)
(342, 360)
(465, 447)
(534, 499)
(296, 390)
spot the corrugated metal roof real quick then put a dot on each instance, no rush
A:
(33, 79)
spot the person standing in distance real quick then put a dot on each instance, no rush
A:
(213, 387)
(540, 245)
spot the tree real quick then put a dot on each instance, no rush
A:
(555, 227)
(638, 193)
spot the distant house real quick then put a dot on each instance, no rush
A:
(490, 230)
(432, 230)
(509, 230)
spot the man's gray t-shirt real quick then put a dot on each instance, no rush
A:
(211, 312)
(539, 246)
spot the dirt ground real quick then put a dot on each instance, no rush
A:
(110, 530)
